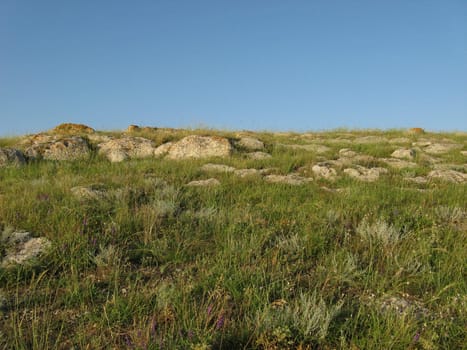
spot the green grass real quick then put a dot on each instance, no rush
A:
(246, 265)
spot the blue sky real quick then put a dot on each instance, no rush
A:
(244, 64)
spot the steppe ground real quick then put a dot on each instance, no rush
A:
(335, 241)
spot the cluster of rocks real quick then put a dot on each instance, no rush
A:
(267, 174)
(77, 141)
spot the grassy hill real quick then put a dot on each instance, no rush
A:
(335, 260)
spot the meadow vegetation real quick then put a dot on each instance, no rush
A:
(150, 263)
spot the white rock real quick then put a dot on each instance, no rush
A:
(448, 175)
(195, 146)
(403, 153)
(365, 174)
(291, 179)
(258, 155)
(163, 149)
(324, 171)
(247, 172)
(118, 150)
(219, 168)
(250, 143)
(204, 183)
(438, 148)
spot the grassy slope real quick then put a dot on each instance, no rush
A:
(244, 265)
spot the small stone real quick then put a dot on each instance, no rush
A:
(418, 180)
(365, 174)
(250, 143)
(370, 139)
(83, 192)
(403, 153)
(259, 155)
(402, 306)
(324, 171)
(347, 152)
(438, 148)
(247, 172)
(464, 153)
(291, 179)
(219, 168)
(311, 148)
(204, 183)
(448, 175)
(399, 163)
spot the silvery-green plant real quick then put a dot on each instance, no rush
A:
(108, 256)
(308, 316)
(378, 232)
(450, 214)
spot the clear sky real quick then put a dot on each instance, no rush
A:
(243, 64)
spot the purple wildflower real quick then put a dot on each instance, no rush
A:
(416, 337)
(220, 322)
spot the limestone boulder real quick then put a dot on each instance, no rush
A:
(11, 156)
(250, 144)
(324, 171)
(58, 148)
(365, 174)
(118, 150)
(72, 129)
(195, 146)
(404, 153)
(163, 149)
(448, 175)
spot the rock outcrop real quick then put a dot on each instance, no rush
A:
(195, 146)
(57, 148)
(404, 153)
(72, 129)
(448, 175)
(118, 150)
(250, 144)
(365, 174)
(11, 156)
